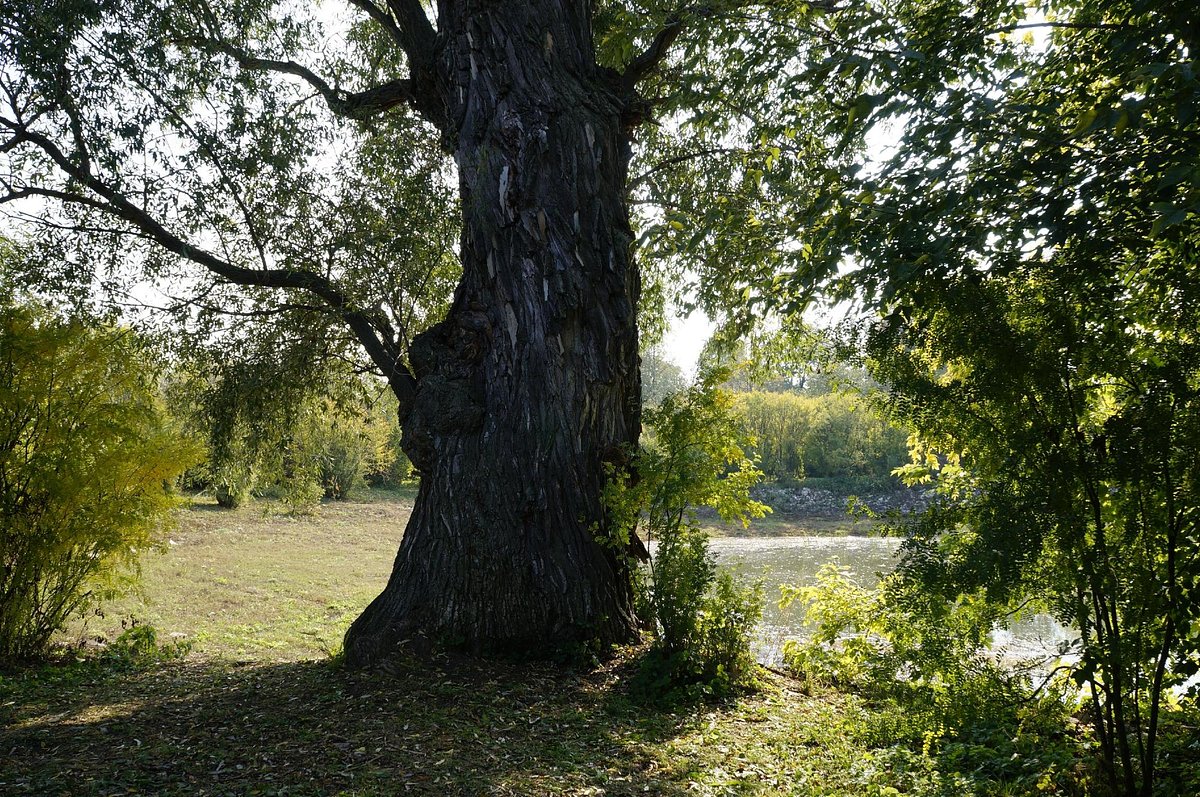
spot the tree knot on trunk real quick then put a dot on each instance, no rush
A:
(472, 335)
(449, 398)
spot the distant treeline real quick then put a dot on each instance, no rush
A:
(832, 435)
(325, 446)
(299, 446)
(809, 423)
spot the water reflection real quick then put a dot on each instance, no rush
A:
(796, 560)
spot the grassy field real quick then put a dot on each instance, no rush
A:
(258, 706)
(257, 583)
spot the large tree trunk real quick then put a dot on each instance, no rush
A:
(531, 383)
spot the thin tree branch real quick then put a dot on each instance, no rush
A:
(14, 195)
(382, 17)
(1062, 25)
(674, 161)
(178, 303)
(648, 60)
(204, 143)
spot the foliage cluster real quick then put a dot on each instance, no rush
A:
(138, 647)
(940, 701)
(87, 458)
(1030, 247)
(295, 440)
(887, 638)
(1064, 437)
(336, 445)
(703, 619)
(833, 435)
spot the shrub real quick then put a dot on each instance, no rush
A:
(137, 647)
(387, 464)
(886, 639)
(703, 619)
(681, 572)
(85, 460)
(728, 618)
(939, 702)
(338, 443)
(341, 460)
(300, 493)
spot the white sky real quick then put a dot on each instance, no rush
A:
(685, 338)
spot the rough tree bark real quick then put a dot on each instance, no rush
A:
(530, 384)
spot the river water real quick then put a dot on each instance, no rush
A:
(796, 560)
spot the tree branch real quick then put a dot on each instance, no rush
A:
(382, 17)
(1061, 25)
(645, 63)
(383, 352)
(15, 195)
(415, 33)
(409, 26)
(673, 161)
(359, 105)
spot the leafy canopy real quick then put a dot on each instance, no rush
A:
(1029, 250)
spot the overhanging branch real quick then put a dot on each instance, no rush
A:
(384, 352)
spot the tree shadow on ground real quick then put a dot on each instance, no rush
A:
(204, 728)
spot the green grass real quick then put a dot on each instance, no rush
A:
(258, 706)
(257, 583)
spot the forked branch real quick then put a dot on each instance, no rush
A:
(415, 32)
(649, 59)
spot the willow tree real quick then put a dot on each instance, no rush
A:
(263, 160)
